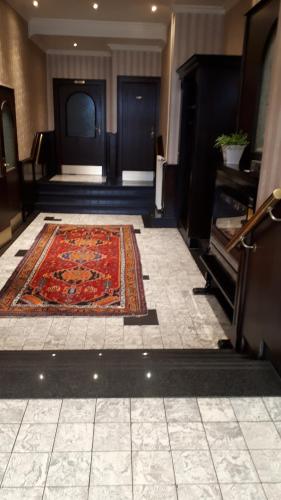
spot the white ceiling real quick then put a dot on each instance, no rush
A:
(57, 24)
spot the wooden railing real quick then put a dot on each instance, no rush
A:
(264, 209)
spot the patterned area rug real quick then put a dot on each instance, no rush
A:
(77, 270)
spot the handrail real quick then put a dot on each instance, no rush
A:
(265, 208)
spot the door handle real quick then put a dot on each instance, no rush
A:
(6, 165)
(152, 133)
(98, 130)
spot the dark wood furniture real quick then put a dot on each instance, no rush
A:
(236, 274)
(210, 94)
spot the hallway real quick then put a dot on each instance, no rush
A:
(177, 319)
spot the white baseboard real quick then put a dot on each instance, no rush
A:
(81, 169)
(138, 175)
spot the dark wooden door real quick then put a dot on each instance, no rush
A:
(80, 121)
(138, 104)
(10, 204)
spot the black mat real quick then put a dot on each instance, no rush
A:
(134, 373)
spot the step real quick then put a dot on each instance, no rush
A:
(52, 208)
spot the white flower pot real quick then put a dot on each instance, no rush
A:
(232, 155)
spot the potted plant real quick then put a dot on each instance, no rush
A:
(232, 147)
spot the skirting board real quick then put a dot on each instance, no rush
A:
(82, 169)
(138, 175)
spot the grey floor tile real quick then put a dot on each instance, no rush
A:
(111, 468)
(78, 410)
(268, 465)
(8, 433)
(155, 492)
(242, 492)
(150, 436)
(273, 491)
(250, 409)
(35, 438)
(42, 411)
(189, 436)
(113, 410)
(74, 437)
(182, 410)
(21, 493)
(216, 410)
(199, 492)
(26, 470)
(274, 407)
(225, 436)
(261, 435)
(234, 466)
(152, 467)
(111, 493)
(69, 469)
(112, 437)
(147, 410)
(278, 427)
(193, 467)
(12, 411)
(66, 493)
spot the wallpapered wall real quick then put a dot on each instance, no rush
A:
(126, 63)
(270, 177)
(23, 67)
(200, 33)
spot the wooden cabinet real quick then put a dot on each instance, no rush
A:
(210, 95)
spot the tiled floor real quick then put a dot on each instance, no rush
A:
(141, 449)
(185, 321)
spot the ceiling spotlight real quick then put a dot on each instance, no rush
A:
(148, 375)
(35, 3)
(154, 8)
(95, 6)
(95, 376)
(75, 44)
(41, 376)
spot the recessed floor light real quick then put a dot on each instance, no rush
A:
(95, 6)
(154, 8)
(35, 3)
(75, 44)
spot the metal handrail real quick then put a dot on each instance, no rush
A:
(265, 208)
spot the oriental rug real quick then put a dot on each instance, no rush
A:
(77, 270)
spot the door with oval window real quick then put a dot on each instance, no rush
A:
(10, 204)
(80, 124)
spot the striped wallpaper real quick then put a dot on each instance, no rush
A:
(194, 33)
(134, 63)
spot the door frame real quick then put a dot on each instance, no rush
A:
(57, 118)
(14, 203)
(156, 80)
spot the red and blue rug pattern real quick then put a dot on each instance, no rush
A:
(78, 270)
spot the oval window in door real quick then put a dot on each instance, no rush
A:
(9, 136)
(80, 116)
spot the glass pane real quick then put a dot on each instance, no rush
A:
(264, 95)
(80, 116)
(9, 136)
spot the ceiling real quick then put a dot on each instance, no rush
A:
(71, 12)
